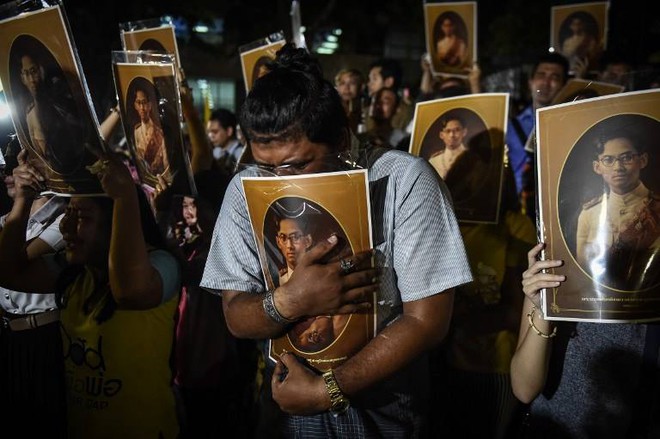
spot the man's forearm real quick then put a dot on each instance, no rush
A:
(422, 326)
(246, 318)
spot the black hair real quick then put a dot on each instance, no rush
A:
(153, 45)
(262, 61)
(449, 117)
(389, 68)
(225, 118)
(142, 84)
(590, 25)
(294, 101)
(608, 134)
(456, 19)
(552, 58)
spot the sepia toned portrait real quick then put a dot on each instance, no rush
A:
(160, 39)
(254, 62)
(451, 36)
(599, 207)
(291, 215)
(579, 33)
(464, 144)
(49, 105)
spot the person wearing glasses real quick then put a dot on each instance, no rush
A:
(461, 169)
(293, 239)
(616, 227)
(293, 120)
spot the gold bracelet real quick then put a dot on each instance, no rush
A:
(530, 317)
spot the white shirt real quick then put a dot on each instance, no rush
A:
(16, 302)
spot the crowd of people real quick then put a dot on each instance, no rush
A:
(126, 316)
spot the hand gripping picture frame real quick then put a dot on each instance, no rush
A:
(289, 215)
(50, 104)
(599, 207)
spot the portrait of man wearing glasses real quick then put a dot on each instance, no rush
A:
(293, 239)
(617, 230)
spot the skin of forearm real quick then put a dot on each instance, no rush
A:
(529, 366)
(246, 318)
(397, 345)
(133, 281)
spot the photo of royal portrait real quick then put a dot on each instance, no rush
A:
(579, 32)
(286, 226)
(451, 36)
(150, 112)
(254, 61)
(49, 106)
(577, 89)
(463, 140)
(608, 205)
(160, 39)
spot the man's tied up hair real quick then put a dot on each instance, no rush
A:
(293, 101)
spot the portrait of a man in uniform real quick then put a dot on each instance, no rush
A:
(618, 232)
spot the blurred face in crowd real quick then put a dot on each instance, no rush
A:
(348, 86)
(292, 242)
(453, 134)
(218, 135)
(385, 105)
(620, 164)
(546, 82)
(189, 210)
(376, 81)
(142, 106)
(615, 73)
(86, 232)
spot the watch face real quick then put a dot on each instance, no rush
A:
(340, 406)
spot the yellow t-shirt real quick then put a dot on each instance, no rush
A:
(118, 372)
(491, 248)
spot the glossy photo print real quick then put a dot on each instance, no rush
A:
(463, 139)
(158, 39)
(289, 215)
(254, 59)
(151, 114)
(49, 102)
(579, 32)
(577, 89)
(451, 36)
(600, 208)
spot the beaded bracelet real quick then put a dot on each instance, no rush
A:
(530, 317)
(268, 303)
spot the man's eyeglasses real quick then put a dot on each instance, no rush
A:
(328, 162)
(625, 159)
(294, 237)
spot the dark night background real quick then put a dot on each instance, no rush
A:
(511, 34)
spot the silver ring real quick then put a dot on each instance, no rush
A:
(347, 266)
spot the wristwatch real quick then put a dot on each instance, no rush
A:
(338, 401)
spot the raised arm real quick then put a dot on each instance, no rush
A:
(529, 366)
(201, 156)
(19, 268)
(134, 282)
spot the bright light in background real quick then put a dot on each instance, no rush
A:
(332, 38)
(4, 110)
(329, 45)
(337, 31)
(324, 51)
(201, 29)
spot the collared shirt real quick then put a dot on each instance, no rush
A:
(230, 153)
(419, 247)
(518, 156)
(39, 226)
(444, 161)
